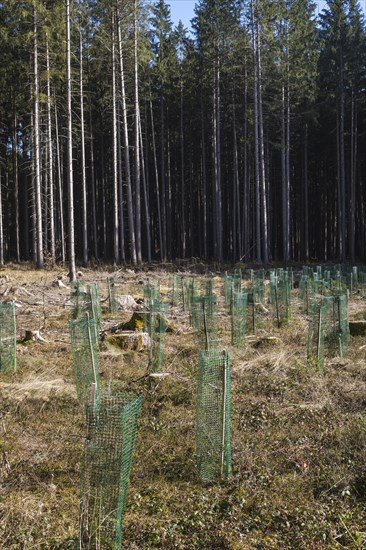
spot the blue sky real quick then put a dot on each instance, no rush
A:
(184, 10)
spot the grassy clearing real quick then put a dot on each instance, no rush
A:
(298, 438)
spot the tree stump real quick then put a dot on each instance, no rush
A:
(130, 340)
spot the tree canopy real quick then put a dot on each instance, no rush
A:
(240, 140)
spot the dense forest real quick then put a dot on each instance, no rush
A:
(125, 138)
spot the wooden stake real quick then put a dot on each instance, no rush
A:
(15, 339)
(339, 327)
(93, 393)
(205, 324)
(109, 294)
(319, 334)
(223, 413)
(91, 351)
(93, 313)
(182, 287)
(277, 312)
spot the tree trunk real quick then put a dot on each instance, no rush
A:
(59, 186)
(338, 225)
(204, 184)
(37, 152)
(93, 184)
(182, 174)
(262, 170)
(353, 164)
(288, 182)
(168, 197)
(219, 168)
(163, 178)
(306, 196)
(246, 191)
(137, 148)
(285, 169)
(120, 190)
(131, 223)
(70, 180)
(1, 222)
(217, 165)
(156, 181)
(256, 138)
(145, 195)
(103, 193)
(342, 169)
(32, 201)
(237, 245)
(16, 186)
(283, 177)
(115, 154)
(83, 159)
(50, 161)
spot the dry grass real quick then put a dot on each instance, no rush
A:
(298, 438)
